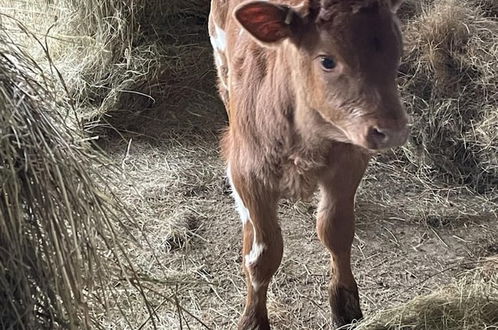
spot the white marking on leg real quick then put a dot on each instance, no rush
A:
(257, 248)
(241, 208)
(255, 284)
(253, 256)
(256, 251)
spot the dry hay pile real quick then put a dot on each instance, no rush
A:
(125, 57)
(59, 245)
(468, 304)
(449, 79)
(121, 59)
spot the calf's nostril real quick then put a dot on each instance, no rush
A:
(383, 138)
(378, 135)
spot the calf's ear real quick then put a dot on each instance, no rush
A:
(267, 22)
(395, 4)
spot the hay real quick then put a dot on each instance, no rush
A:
(121, 59)
(449, 83)
(469, 304)
(58, 239)
(132, 56)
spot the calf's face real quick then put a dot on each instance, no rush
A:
(344, 56)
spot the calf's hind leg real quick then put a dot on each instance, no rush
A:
(335, 227)
(262, 247)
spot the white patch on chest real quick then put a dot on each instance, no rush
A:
(241, 208)
(219, 40)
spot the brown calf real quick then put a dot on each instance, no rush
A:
(310, 90)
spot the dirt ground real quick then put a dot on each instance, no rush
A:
(411, 237)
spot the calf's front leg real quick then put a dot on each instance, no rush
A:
(262, 247)
(335, 228)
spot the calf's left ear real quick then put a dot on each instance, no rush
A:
(267, 22)
(395, 4)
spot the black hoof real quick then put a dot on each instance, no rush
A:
(254, 321)
(345, 305)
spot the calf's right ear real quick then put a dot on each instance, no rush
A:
(267, 22)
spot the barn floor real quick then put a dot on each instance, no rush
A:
(411, 237)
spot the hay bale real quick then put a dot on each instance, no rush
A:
(55, 222)
(449, 82)
(469, 304)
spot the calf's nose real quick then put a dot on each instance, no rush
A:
(384, 138)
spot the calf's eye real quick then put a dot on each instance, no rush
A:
(328, 63)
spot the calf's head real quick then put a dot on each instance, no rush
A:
(343, 56)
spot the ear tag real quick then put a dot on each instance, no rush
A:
(288, 17)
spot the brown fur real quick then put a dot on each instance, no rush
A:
(293, 127)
